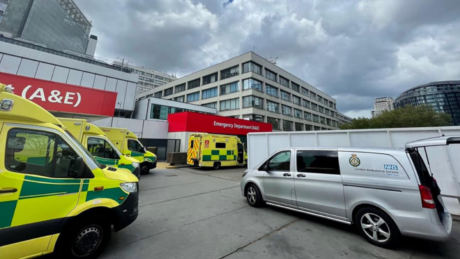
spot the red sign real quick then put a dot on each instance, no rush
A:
(198, 122)
(60, 97)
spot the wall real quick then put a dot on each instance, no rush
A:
(152, 129)
(183, 136)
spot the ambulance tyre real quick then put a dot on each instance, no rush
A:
(145, 169)
(86, 238)
(216, 165)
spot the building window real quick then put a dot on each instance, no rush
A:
(287, 125)
(210, 105)
(193, 97)
(273, 107)
(209, 93)
(308, 127)
(314, 106)
(230, 72)
(179, 99)
(304, 91)
(157, 94)
(231, 104)
(319, 99)
(161, 112)
(305, 103)
(253, 117)
(298, 126)
(179, 88)
(270, 90)
(270, 75)
(285, 96)
(274, 122)
(169, 91)
(296, 100)
(317, 128)
(295, 87)
(321, 109)
(253, 101)
(286, 110)
(193, 84)
(307, 116)
(252, 67)
(331, 104)
(209, 79)
(298, 113)
(229, 88)
(327, 112)
(312, 95)
(284, 82)
(322, 120)
(315, 118)
(251, 83)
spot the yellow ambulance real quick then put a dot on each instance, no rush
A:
(54, 196)
(95, 140)
(129, 145)
(211, 150)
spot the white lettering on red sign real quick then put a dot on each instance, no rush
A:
(234, 125)
(54, 97)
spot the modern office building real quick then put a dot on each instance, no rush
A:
(342, 118)
(382, 104)
(443, 96)
(54, 24)
(252, 88)
(148, 78)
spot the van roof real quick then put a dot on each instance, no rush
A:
(126, 131)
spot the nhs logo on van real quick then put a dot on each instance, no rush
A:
(390, 167)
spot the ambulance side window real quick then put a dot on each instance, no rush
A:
(101, 148)
(133, 145)
(220, 145)
(38, 153)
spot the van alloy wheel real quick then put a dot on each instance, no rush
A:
(87, 241)
(375, 227)
(252, 195)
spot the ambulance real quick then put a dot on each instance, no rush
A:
(211, 150)
(54, 196)
(129, 145)
(96, 142)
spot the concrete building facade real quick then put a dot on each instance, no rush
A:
(382, 104)
(342, 118)
(253, 88)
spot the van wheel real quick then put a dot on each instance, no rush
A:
(377, 227)
(216, 165)
(144, 169)
(86, 239)
(253, 196)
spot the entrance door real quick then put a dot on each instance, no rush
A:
(278, 179)
(240, 153)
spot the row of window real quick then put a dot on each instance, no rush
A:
(151, 75)
(308, 161)
(285, 125)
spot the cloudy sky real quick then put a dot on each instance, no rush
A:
(353, 50)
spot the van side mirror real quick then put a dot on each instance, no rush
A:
(78, 169)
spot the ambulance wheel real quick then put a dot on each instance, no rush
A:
(86, 238)
(144, 169)
(216, 165)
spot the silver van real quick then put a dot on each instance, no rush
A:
(386, 193)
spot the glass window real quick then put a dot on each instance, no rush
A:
(252, 67)
(101, 148)
(295, 87)
(253, 101)
(298, 126)
(321, 109)
(193, 97)
(194, 83)
(314, 106)
(285, 95)
(270, 75)
(231, 104)
(158, 94)
(251, 83)
(306, 103)
(312, 95)
(284, 82)
(233, 71)
(220, 145)
(315, 118)
(280, 162)
(229, 88)
(298, 114)
(322, 120)
(168, 91)
(179, 99)
(39, 153)
(307, 116)
(318, 161)
(210, 105)
(270, 90)
(274, 122)
(209, 93)
(135, 146)
(296, 100)
(308, 127)
(287, 125)
(304, 91)
(180, 88)
(273, 107)
(210, 79)
(286, 110)
(159, 112)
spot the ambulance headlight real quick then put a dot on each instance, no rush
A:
(129, 187)
(136, 164)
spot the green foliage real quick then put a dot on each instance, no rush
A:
(407, 117)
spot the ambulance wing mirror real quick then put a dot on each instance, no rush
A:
(78, 169)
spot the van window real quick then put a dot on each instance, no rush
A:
(191, 144)
(220, 145)
(38, 153)
(318, 161)
(133, 145)
(101, 148)
(280, 162)
(420, 167)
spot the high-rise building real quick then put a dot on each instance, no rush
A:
(381, 105)
(443, 96)
(253, 88)
(342, 118)
(54, 24)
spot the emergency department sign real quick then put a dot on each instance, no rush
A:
(60, 97)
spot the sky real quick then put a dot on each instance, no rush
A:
(355, 51)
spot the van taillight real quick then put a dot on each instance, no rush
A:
(427, 198)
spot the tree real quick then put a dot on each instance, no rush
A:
(407, 117)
